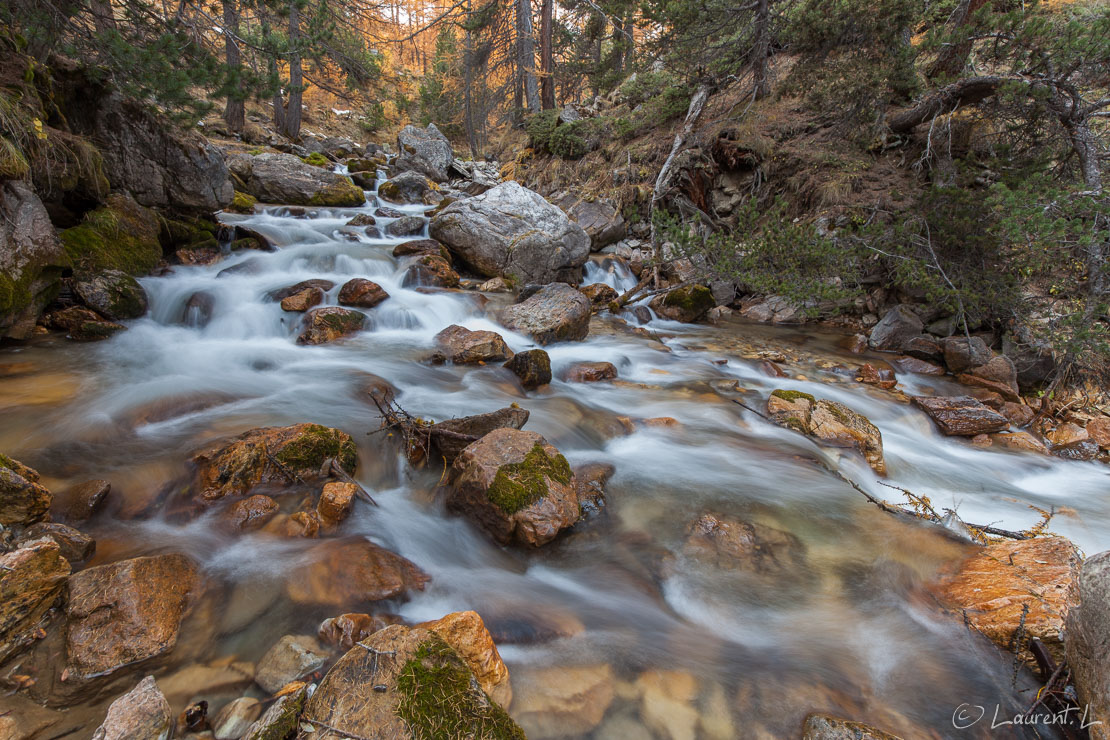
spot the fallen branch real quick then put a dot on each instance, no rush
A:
(338, 471)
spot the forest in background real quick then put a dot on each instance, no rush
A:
(949, 152)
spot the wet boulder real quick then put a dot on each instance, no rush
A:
(898, 327)
(451, 436)
(23, 500)
(560, 701)
(589, 486)
(282, 293)
(125, 614)
(111, 293)
(432, 271)
(361, 293)
(516, 486)
(269, 455)
(302, 301)
(407, 187)
(600, 294)
(282, 719)
(235, 718)
(327, 324)
(291, 658)
(405, 226)
(961, 416)
(31, 259)
(250, 513)
(880, 376)
(424, 150)
(827, 727)
(599, 218)
(31, 580)
(831, 422)
(362, 219)
(462, 346)
(422, 247)
(286, 179)
(997, 374)
(1013, 591)
(75, 546)
(352, 572)
(78, 503)
(590, 372)
(510, 231)
(410, 683)
(347, 629)
(142, 713)
(687, 304)
(532, 367)
(198, 309)
(335, 501)
(81, 324)
(729, 543)
(467, 634)
(554, 313)
(1088, 652)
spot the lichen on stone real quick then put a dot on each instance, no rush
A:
(440, 698)
(519, 485)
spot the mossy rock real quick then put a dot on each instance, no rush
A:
(793, 396)
(242, 203)
(438, 697)
(390, 191)
(111, 293)
(687, 304)
(341, 194)
(362, 165)
(519, 485)
(315, 445)
(316, 159)
(120, 235)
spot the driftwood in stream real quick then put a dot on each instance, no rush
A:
(920, 508)
(417, 435)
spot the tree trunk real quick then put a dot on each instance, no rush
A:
(526, 50)
(547, 60)
(952, 59)
(761, 48)
(104, 18)
(235, 111)
(965, 92)
(629, 40)
(275, 73)
(296, 76)
(468, 72)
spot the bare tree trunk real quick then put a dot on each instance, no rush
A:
(235, 111)
(761, 49)
(104, 18)
(296, 76)
(275, 72)
(629, 39)
(547, 60)
(693, 113)
(952, 58)
(526, 54)
(468, 71)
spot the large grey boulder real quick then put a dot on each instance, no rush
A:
(554, 313)
(425, 150)
(285, 178)
(512, 231)
(1088, 641)
(898, 326)
(31, 259)
(161, 165)
(602, 222)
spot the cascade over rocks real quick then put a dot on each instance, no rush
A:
(829, 421)
(269, 455)
(516, 486)
(554, 313)
(426, 151)
(511, 231)
(31, 259)
(286, 179)
(430, 270)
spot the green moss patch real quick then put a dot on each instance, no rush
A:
(121, 235)
(696, 299)
(439, 698)
(315, 445)
(793, 395)
(340, 194)
(242, 203)
(519, 485)
(316, 159)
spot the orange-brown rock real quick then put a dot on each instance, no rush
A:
(78, 503)
(461, 346)
(430, 271)
(993, 588)
(75, 546)
(1018, 441)
(558, 701)
(599, 294)
(335, 501)
(467, 633)
(347, 629)
(304, 524)
(516, 486)
(352, 572)
(126, 613)
(23, 500)
(1066, 434)
(591, 372)
(31, 579)
(1017, 414)
(269, 455)
(961, 415)
(251, 513)
(1098, 430)
(303, 300)
(880, 376)
(829, 421)
(361, 293)
(327, 324)
(917, 365)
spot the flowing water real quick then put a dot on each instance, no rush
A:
(852, 632)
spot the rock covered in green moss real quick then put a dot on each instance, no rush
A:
(111, 293)
(316, 159)
(516, 486)
(532, 366)
(282, 718)
(82, 324)
(242, 203)
(418, 688)
(829, 421)
(269, 454)
(120, 235)
(31, 259)
(686, 304)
